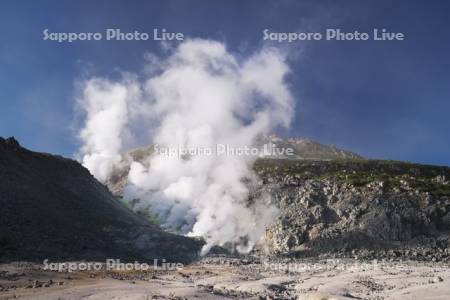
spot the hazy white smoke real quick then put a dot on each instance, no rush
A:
(202, 96)
(109, 107)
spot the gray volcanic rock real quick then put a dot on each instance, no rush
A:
(366, 208)
(308, 149)
(119, 178)
(52, 207)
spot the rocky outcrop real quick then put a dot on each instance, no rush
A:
(52, 207)
(363, 207)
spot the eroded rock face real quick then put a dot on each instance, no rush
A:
(322, 212)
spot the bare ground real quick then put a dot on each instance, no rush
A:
(235, 278)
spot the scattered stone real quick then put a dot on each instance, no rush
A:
(436, 279)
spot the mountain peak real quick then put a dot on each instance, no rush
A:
(10, 142)
(305, 148)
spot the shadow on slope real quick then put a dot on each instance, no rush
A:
(52, 207)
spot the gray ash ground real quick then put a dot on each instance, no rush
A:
(237, 277)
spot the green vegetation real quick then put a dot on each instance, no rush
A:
(359, 172)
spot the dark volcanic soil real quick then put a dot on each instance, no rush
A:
(52, 207)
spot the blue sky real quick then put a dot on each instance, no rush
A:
(380, 99)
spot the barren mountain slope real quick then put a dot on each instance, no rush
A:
(52, 207)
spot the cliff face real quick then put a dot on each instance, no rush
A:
(52, 207)
(364, 208)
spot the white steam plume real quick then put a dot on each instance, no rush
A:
(202, 96)
(109, 108)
